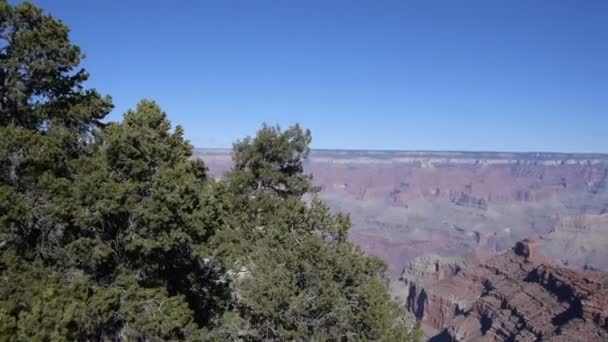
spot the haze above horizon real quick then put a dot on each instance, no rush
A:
(379, 75)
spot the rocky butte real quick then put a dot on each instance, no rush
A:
(517, 295)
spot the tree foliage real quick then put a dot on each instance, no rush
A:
(115, 232)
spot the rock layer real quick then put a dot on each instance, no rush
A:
(405, 204)
(518, 295)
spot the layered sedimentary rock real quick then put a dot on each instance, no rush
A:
(402, 176)
(466, 206)
(518, 295)
(405, 204)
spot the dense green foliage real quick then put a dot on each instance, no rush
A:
(115, 232)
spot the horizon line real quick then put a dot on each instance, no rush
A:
(598, 154)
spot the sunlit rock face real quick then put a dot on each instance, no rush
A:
(517, 295)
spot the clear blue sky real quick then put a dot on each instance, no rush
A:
(435, 75)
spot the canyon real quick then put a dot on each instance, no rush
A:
(480, 246)
(406, 204)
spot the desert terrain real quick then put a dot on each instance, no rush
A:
(473, 239)
(407, 204)
(479, 245)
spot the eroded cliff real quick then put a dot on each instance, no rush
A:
(518, 295)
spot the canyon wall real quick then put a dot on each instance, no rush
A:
(406, 204)
(518, 295)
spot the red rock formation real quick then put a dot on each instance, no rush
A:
(518, 295)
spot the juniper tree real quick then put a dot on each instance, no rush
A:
(46, 121)
(298, 276)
